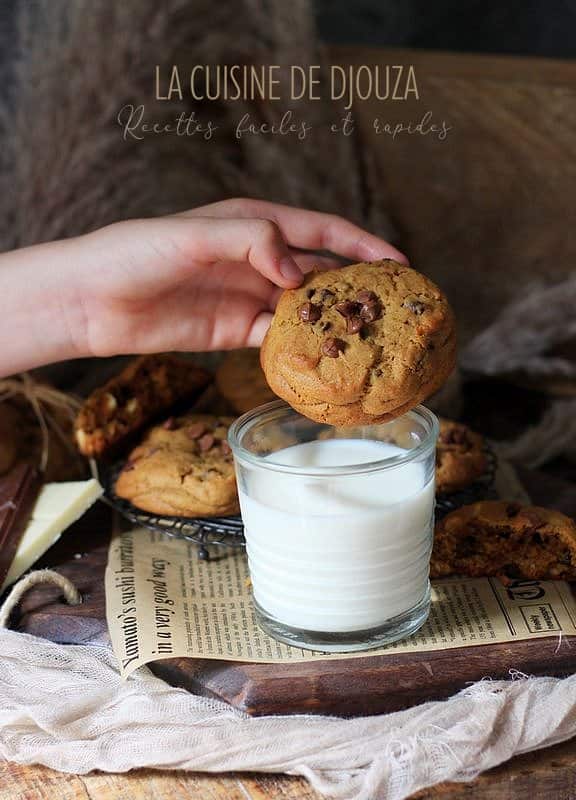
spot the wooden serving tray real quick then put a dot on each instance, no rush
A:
(371, 685)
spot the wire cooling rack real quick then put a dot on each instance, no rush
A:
(206, 532)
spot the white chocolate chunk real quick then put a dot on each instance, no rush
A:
(58, 505)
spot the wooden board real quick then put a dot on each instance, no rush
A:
(372, 685)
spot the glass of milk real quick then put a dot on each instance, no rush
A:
(338, 525)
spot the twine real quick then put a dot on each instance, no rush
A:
(43, 399)
(39, 576)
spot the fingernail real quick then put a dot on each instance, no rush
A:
(290, 270)
(401, 258)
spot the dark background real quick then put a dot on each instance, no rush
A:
(528, 27)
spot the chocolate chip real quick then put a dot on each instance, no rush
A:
(415, 306)
(366, 297)
(309, 312)
(455, 435)
(347, 308)
(310, 293)
(353, 325)
(169, 424)
(195, 430)
(513, 509)
(466, 547)
(332, 347)
(325, 326)
(206, 442)
(371, 311)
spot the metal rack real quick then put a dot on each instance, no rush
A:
(204, 532)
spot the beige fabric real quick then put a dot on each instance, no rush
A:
(66, 707)
(527, 339)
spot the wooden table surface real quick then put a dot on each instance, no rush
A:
(546, 775)
(508, 109)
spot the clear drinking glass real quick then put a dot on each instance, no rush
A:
(338, 525)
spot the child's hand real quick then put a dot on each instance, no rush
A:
(205, 279)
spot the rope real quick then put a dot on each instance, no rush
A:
(39, 576)
(46, 403)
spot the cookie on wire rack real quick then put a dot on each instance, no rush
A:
(460, 457)
(227, 531)
(183, 467)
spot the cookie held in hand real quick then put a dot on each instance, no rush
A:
(183, 467)
(460, 457)
(361, 344)
(507, 540)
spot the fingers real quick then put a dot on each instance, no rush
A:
(309, 262)
(172, 248)
(312, 230)
(257, 241)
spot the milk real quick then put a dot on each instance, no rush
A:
(342, 553)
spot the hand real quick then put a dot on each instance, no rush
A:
(205, 279)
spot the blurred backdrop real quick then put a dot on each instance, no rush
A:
(523, 27)
(528, 27)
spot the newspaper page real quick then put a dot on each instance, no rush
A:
(162, 601)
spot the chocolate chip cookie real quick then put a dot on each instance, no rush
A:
(183, 467)
(361, 344)
(242, 382)
(496, 538)
(460, 457)
(148, 386)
